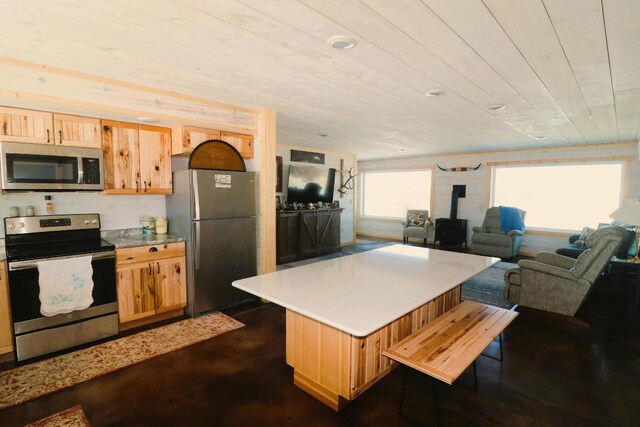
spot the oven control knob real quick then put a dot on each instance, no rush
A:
(94, 221)
(86, 221)
(20, 224)
(10, 225)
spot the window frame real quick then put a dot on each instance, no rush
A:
(625, 181)
(398, 220)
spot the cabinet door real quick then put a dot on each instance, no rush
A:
(6, 338)
(308, 234)
(170, 284)
(17, 125)
(192, 136)
(241, 142)
(136, 292)
(121, 157)
(287, 232)
(77, 131)
(325, 229)
(155, 160)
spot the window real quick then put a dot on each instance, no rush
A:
(560, 196)
(390, 194)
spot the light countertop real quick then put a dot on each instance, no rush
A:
(130, 237)
(361, 293)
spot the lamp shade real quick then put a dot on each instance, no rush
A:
(628, 212)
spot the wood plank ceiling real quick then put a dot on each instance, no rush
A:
(568, 71)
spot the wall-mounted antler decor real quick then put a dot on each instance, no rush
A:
(458, 168)
(348, 184)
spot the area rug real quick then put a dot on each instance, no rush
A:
(488, 286)
(72, 417)
(37, 379)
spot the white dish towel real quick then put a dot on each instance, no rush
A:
(65, 285)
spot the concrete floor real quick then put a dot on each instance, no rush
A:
(554, 374)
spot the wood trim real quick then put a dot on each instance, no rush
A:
(380, 236)
(356, 198)
(267, 190)
(151, 319)
(348, 243)
(6, 329)
(565, 233)
(136, 86)
(517, 150)
(561, 161)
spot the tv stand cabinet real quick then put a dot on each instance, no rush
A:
(306, 233)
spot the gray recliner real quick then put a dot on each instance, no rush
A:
(560, 284)
(412, 231)
(490, 240)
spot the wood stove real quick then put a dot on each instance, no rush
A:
(452, 231)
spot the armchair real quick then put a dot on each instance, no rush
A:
(558, 283)
(490, 240)
(415, 225)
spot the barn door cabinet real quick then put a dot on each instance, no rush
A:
(305, 234)
(40, 127)
(151, 283)
(192, 136)
(137, 159)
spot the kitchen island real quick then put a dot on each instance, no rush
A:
(343, 313)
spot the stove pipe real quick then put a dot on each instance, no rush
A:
(458, 191)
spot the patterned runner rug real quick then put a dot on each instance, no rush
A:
(72, 417)
(37, 379)
(488, 286)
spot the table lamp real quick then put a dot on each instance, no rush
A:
(629, 213)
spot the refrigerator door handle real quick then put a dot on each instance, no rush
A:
(196, 194)
(197, 245)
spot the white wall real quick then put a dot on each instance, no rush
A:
(115, 211)
(332, 160)
(473, 207)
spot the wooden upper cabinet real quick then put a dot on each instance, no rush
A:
(121, 158)
(155, 160)
(192, 136)
(76, 131)
(241, 142)
(18, 125)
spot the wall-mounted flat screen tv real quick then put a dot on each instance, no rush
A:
(309, 184)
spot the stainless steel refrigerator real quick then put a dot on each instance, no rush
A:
(216, 212)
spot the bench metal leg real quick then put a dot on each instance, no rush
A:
(404, 386)
(501, 355)
(435, 401)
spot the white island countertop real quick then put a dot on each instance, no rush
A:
(361, 293)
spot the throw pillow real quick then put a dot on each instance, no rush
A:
(582, 240)
(416, 220)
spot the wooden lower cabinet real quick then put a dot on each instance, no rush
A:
(336, 367)
(151, 282)
(6, 336)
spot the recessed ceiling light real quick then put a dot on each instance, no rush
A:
(341, 42)
(403, 150)
(143, 119)
(324, 135)
(496, 107)
(539, 137)
(434, 92)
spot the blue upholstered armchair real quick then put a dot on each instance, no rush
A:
(491, 240)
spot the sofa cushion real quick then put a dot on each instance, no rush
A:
(491, 239)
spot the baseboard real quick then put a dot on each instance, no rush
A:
(396, 238)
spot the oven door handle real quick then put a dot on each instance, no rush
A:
(31, 263)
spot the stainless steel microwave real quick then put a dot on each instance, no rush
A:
(39, 167)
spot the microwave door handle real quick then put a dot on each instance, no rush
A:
(80, 171)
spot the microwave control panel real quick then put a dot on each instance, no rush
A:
(91, 169)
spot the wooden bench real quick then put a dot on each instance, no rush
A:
(446, 347)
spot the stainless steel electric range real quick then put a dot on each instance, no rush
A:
(30, 240)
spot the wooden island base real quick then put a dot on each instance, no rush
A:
(336, 367)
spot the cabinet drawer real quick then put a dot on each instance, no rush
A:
(149, 253)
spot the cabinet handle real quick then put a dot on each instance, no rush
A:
(145, 186)
(149, 269)
(137, 186)
(60, 132)
(158, 264)
(153, 249)
(48, 137)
